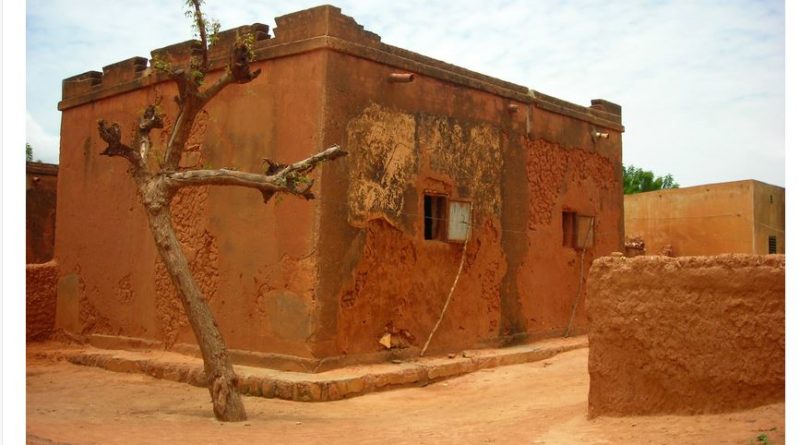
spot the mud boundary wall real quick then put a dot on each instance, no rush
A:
(40, 300)
(685, 335)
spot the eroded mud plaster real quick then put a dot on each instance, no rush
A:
(189, 209)
(401, 281)
(409, 292)
(575, 179)
(552, 169)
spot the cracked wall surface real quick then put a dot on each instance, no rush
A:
(401, 281)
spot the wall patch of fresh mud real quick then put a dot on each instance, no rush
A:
(469, 154)
(686, 335)
(383, 163)
(396, 152)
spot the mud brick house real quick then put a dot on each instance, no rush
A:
(40, 211)
(443, 162)
(730, 217)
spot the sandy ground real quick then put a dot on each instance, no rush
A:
(534, 403)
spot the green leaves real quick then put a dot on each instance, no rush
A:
(161, 65)
(636, 180)
(248, 40)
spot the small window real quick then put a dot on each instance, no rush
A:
(773, 245)
(568, 229)
(435, 216)
(446, 220)
(577, 230)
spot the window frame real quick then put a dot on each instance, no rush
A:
(772, 245)
(571, 235)
(440, 226)
(448, 236)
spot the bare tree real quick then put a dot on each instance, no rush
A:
(156, 188)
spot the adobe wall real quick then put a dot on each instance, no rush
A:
(40, 300)
(566, 171)
(702, 220)
(769, 217)
(469, 138)
(254, 262)
(685, 335)
(326, 279)
(41, 181)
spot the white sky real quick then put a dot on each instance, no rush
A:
(701, 83)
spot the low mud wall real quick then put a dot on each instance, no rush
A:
(40, 300)
(685, 335)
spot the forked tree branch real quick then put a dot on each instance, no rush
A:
(111, 134)
(191, 100)
(308, 164)
(291, 179)
(149, 120)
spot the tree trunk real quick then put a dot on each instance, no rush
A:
(222, 380)
(157, 189)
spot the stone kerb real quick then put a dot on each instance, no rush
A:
(327, 386)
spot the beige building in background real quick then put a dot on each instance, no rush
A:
(731, 217)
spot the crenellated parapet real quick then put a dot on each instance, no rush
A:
(81, 84)
(323, 20)
(137, 72)
(177, 54)
(321, 27)
(220, 50)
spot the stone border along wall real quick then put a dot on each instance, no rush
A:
(323, 387)
(685, 335)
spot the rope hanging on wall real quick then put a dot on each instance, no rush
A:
(450, 295)
(580, 282)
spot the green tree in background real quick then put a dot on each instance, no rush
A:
(28, 152)
(636, 180)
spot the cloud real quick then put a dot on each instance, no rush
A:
(45, 145)
(701, 83)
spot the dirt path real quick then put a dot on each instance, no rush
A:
(534, 403)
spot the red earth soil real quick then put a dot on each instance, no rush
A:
(537, 403)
